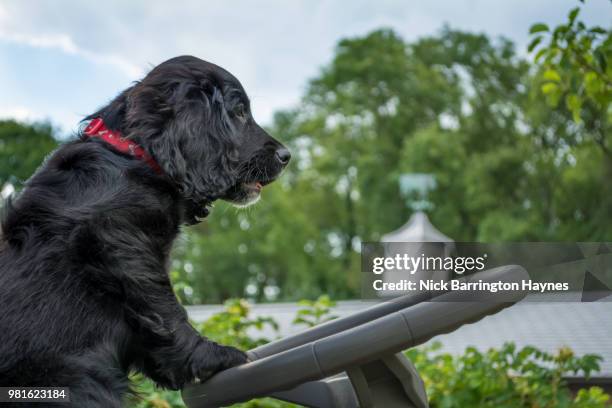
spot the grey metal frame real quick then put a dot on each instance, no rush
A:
(356, 361)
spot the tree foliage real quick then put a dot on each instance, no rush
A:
(505, 377)
(574, 65)
(22, 149)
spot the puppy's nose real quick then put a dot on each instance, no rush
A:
(283, 155)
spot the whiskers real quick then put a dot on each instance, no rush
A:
(250, 169)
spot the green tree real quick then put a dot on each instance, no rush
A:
(573, 60)
(477, 153)
(574, 75)
(22, 149)
(459, 105)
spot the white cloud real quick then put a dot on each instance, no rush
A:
(64, 43)
(17, 112)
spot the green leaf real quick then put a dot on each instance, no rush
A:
(549, 88)
(592, 84)
(598, 30)
(573, 14)
(560, 32)
(601, 60)
(552, 92)
(540, 54)
(538, 28)
(552, 75)
(534, 43)
(574, 104)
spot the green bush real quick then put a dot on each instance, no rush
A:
(314, 312)
(505, 377)
(233, 326)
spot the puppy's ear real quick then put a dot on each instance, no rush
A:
(197, 148)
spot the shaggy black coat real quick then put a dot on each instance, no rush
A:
(85, 295)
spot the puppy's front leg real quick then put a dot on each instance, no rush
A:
(171, 351)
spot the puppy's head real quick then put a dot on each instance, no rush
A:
(195, 119)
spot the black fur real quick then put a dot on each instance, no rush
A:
(85, 295)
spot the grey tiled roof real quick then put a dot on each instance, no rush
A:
(584, 327)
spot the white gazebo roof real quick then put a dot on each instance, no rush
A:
(417, 229)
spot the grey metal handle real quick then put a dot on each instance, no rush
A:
(285, 366)
(503, 273)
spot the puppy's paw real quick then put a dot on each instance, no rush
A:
(233, 357)
(213, 357)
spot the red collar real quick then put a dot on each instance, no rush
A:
(97, 128)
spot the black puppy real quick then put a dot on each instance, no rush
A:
(84, 290)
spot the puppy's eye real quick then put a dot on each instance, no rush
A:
(239, 111)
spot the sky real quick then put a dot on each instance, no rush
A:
(60, 60)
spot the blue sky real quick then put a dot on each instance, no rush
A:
(60, 60)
